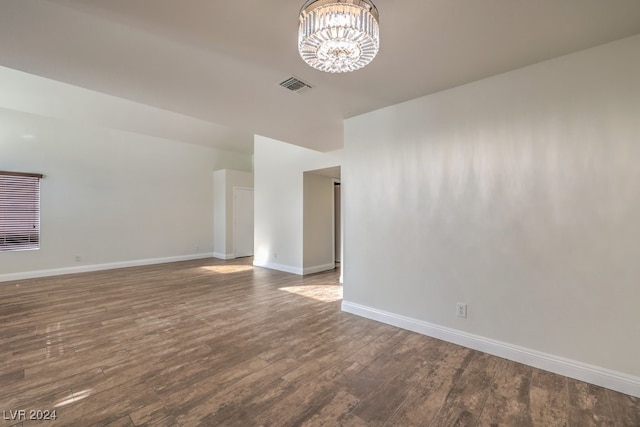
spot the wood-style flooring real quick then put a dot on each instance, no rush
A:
(211, 343)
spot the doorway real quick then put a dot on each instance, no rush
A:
(337, 220)
(322, 231)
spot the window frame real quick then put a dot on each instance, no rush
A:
(19, 211)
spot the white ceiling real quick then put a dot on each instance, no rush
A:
(221, 61)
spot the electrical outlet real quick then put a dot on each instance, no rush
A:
(78, 258)
(461, 309)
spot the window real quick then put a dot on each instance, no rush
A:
(19, 211)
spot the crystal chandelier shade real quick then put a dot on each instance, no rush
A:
(338, 36)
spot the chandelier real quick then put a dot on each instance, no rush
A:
(338, 36)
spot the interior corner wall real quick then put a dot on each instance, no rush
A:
(518, 195)
(279, 206)
(225, 181)
(113, 198)
(318, 223)
(220, 215)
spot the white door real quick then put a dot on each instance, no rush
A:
(242, 222)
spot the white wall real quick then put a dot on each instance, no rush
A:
(112, 196)
(519, 195)
(225, 180)
(278, 174)
(318, 226)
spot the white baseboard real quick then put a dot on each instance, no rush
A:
(280, 267)
(603, 377)
(97, 267)
(220, 255)
(318, 268)
(295, 270)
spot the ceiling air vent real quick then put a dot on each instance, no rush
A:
(295, 85)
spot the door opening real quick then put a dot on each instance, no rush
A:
(337, 220)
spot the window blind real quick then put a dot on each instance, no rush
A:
(19, 211)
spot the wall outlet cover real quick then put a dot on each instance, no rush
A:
(461, 309)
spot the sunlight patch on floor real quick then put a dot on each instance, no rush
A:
(322, 293)
(227, 269)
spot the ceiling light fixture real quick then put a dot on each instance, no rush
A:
(338, 36)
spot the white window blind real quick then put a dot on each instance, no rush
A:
(19, 211)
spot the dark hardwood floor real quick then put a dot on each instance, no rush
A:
(211, 343)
